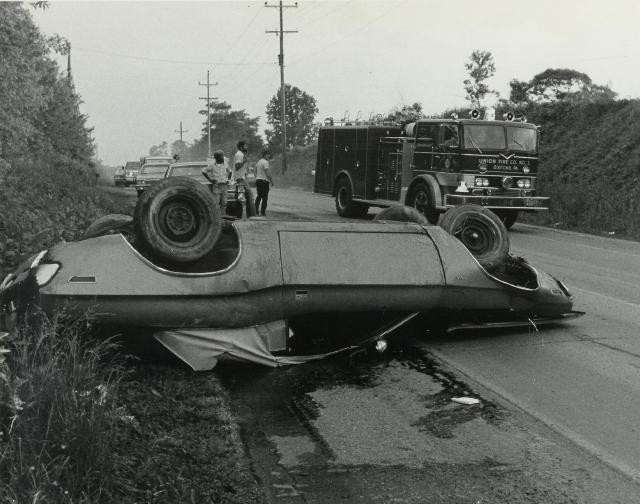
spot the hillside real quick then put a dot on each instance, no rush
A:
(589, 165)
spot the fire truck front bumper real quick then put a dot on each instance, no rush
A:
(526, 203)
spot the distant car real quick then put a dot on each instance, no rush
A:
(119, 177)
(150, 173)
(131, 171)
(237, 195)
(208, 288)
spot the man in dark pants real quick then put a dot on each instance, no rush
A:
(263, 180)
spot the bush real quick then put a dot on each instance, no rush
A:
(42, 203)
(59, 414)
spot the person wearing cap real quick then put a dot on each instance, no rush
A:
(218, 173)
(263, 180)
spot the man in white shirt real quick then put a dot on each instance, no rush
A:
(240, 162)
(263, 179)
(218, 173)
(240, 174)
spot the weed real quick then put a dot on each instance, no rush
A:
(60, 414)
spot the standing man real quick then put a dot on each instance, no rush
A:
(240, 162)
(263, 179)
(218, 173)
(240, 176)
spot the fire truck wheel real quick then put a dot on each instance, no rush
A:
(508, 217)
(420, 198)
(345, 206)
(481, 231)
(177, 220)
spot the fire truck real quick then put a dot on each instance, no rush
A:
(432, 165)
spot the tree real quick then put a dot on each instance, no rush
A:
(179, 147)
(40, 117)
(300, 113)
(159, 150)
(406, 114)
(480, 68)
(228, 126)
(556, 84)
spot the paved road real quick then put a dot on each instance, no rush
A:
(582, 379)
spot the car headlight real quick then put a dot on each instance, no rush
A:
(45, 272)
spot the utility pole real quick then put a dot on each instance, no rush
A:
(208, 98)
(181, 131)
(281, 32)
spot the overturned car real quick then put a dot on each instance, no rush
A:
(207, 287)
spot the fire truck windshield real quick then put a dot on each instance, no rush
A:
(494, 136)
(522, 139)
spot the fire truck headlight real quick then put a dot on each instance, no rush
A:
(525, 169)
(524, 183)
(481, 182)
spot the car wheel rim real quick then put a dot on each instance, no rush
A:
(178, 221)
(476, 237)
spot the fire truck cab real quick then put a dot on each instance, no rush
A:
(432, 165)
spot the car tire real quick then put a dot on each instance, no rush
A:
(177, 220)
(345, 206)
(421, 199)
(508, 217)
(110, 224)
(481, 231)
(402, 214)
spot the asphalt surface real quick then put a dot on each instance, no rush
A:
(557, 415)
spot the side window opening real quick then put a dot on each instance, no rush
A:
(426, 134)
(450, 137)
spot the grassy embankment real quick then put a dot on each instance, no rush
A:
(589, 166)
(81, 423)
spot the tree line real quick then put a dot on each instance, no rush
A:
(40, 118)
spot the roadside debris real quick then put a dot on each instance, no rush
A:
(467, 401)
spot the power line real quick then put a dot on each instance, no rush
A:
(281, 33)
(163, 60)
(235, 42)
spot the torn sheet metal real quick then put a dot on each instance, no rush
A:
(201, 349)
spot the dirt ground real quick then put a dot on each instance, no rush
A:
(177, 430)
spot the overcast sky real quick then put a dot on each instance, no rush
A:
(137, 65)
